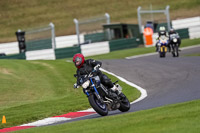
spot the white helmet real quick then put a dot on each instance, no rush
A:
(162, 28)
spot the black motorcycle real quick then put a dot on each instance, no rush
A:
(100, 97)
(174, 42)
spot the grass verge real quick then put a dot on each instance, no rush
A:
(177, 118)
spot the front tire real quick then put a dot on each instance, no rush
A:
(162, 54)
(177, 52)
(124, 104)
(99, 107)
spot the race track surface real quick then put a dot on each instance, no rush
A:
(167, 80)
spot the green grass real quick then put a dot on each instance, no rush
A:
(177, 118)
(190, 42)
(22, 14)
(32, 90)
(194, 54)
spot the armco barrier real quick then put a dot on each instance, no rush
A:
(39, 44)
(186, 23)
(15, 56)
(183, 33)
(44, 54)
(95, 48)
(9, 48)
(194, 32)
(123, 44)
(68, 41)
(66, 52)
(95, 37)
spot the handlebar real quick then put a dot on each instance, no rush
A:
(115, 82)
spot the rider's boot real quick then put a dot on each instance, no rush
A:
(116, 89)
(157, 49)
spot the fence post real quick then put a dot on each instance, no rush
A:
(139, 19)
(77, 30)
(53, 35)
(108, 22)
(168, 17)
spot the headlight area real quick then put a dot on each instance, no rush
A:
(86, 84)
(175, 40)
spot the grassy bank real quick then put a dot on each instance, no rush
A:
(22, 14)
(178, 118)
(32, 90)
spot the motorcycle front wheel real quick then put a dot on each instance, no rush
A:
(177, 52)
(162, 54)
(97, 105)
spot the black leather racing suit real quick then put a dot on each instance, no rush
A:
(88, 67)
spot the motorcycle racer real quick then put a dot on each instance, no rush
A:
(171, 33)
(84, 67)
(162, 32)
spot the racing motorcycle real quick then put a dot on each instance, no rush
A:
(162, 44)
(174, 41)
(101, 98)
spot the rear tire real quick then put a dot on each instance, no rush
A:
(124, 104)
(99, 107)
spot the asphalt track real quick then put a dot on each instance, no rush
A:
(167, 80)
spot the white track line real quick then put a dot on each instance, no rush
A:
(189, 47)
(143, 91)
(47, 121)
(143, 55)
(88, 110)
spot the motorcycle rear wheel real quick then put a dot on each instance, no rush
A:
(96, 104)
(124, 104)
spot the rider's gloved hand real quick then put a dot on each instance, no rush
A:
(76, 86)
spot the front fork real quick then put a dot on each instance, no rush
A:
(96, 93)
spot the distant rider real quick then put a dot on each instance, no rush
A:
(171, 33)
(85, 67)
(162, 32)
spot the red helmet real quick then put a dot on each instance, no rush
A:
(78, 60)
